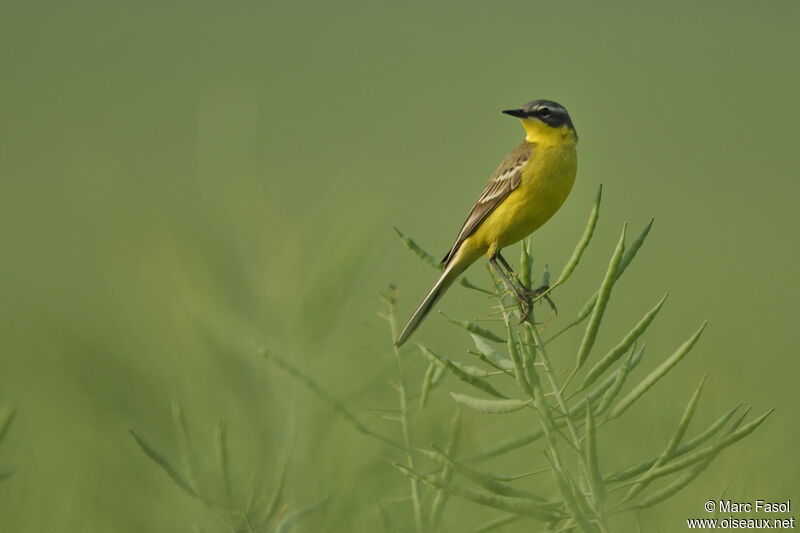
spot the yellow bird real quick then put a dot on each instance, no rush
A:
(528, 187)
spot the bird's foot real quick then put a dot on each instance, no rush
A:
(525, 307)
(543, 292)
(530, 297)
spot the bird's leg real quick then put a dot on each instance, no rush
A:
(512, 273)
(532, 294)
(513, 284)
(522, 293)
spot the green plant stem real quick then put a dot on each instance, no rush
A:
(556, 391)
(401, 389)
(527, 378)
(321, 393)
(549, 426)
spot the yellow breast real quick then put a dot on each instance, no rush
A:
(546, 182)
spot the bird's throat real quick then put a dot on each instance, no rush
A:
(540, 133)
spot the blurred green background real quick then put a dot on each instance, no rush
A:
(183, 183)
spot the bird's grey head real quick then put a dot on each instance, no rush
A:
(551, 113)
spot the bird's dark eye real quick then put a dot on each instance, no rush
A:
(544, 111)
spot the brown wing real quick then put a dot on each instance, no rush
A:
(505, 179)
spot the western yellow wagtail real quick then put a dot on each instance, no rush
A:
(528, 187)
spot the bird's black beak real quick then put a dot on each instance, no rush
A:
(519, 113)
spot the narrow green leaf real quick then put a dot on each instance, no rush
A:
(252, 502)
(721, 496)
(541, 405)
(277, 492)
(513, 350)
(418, 250)
(438, 375)
(706, 452)
(577, 253)
(616, 352)
(525, 263)
(708, 433)
(608, 389)
(448, 365)
(223, 460)
(656, 374)
(508, 445)
(514, 443)
(585, 311)
(184, 444)
(498, 359)
(738, 421)
(529, 353)
(454, 435)
(463, 281)
(271, 511)
(504, 503)
(427, 385)
(603, 295)
(288, 522)
(671, 489)
(580, 499)
(484, 479)
(567, 526)
(672, 445)
(7, 416)
(683, 425)
(633, 249)
(592, 462)
(338, 407)
(474, 328)
(619, 381)
(690, 445)
(472, 370)
(515, 477)
(687, 477)
(164, 464)
(627, 257)
(490, 406)
(442, 497)
(573, 508)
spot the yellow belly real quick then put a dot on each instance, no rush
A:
(545, 185)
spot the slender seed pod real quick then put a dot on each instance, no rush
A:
(656, 374)
(448, 365)
(577, 253)
(603, 295)
(616, 352)
(490, 406)
(474, 328)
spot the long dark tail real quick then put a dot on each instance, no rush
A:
(450, 274)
